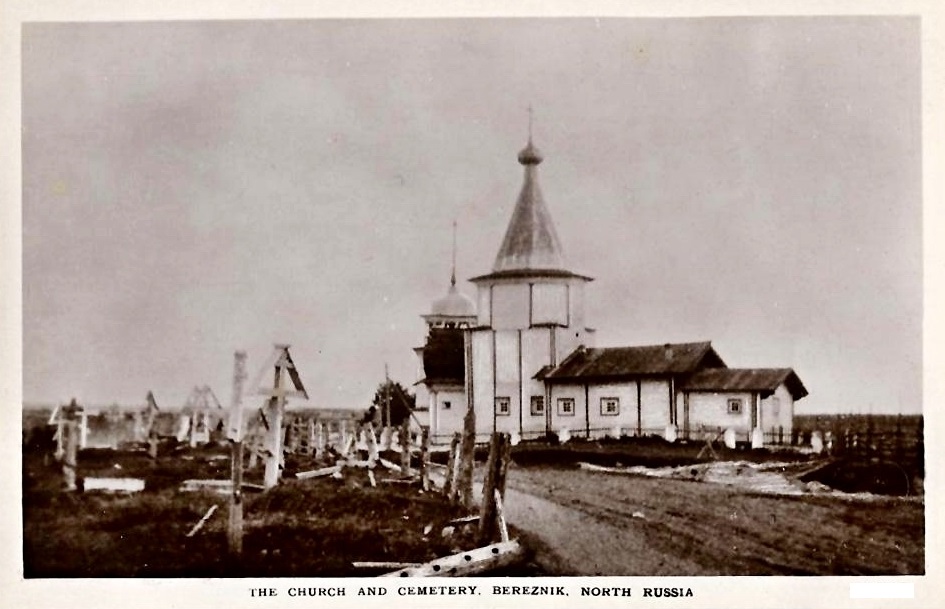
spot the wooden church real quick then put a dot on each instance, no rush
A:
(524, 358)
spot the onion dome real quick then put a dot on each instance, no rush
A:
(454, 304)
(530, 155)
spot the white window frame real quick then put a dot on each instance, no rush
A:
(562, 402)
(605, 401)
(501, 401)
(735, 406)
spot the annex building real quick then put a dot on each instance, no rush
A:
(522, 355)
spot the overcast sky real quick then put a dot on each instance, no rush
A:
(192, 188)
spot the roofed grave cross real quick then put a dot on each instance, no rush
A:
(284, 369)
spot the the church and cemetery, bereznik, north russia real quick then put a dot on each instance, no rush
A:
(523, 357)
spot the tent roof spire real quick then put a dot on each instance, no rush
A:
(531, 242)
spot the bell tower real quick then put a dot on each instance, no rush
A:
(530, 315)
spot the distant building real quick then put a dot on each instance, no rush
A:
(524, 357)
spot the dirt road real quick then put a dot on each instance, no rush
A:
(588, 523)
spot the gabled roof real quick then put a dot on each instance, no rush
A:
(628, 362)
(746, 379)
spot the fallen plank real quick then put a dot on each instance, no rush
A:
(217, 486)
(389, 465)
(463, 520)
(480, 560)
(360, 463)
(199, 525)
(122, 485)
(317, 473)
(601, 468)
(384, 565)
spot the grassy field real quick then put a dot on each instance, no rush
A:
(694, 528)
(301, 528)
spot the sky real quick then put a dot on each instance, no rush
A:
(193, 188)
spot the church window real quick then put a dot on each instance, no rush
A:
(446, 405)
(566, 407)
(734, 406)
(503, 406)
(610, 406)
(538, 405)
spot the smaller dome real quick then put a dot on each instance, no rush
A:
(454, 304)
(530, 155)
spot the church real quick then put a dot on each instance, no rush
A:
(523, 356)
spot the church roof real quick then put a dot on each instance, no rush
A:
(454, 304)
(746, 379)
(530, 242)
(628, 362)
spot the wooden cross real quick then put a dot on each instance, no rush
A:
(282, 365)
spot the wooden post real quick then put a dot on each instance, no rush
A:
(424, 458)
(373, 453)
(467, 457)
(311, 436)
(405, 447)
(274, 441)
(496, 468)
(60, 434)
(234, 529)
(343, 432)
(500, 517)
(321, 439)
(452, 467)
(70, 446)
(289, 437)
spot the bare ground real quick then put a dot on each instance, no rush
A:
(589, 523)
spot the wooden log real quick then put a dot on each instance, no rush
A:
(206, 517)
(480, 560)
